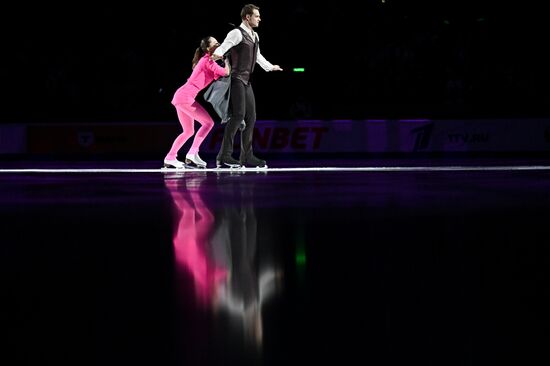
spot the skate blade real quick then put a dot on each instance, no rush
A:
(191, 164)
(171, 167)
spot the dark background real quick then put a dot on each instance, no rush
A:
(94, 62)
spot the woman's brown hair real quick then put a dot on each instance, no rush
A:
(201, 51)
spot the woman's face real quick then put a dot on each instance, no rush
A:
(212, 44)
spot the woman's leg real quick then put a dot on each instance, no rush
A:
(185, 117)
(206, 121)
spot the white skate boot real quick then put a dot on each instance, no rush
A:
(194, 159)
(175, 163)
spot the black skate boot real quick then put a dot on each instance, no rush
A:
(227, 162)
(253, 162)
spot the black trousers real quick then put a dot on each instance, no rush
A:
(243, 107)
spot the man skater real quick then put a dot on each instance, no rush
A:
(243, 44)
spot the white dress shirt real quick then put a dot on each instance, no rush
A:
(234, 37)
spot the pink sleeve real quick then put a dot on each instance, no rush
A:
(215, 68)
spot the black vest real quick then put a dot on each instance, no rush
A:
(243, 57)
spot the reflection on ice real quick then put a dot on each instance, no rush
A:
(215, 240)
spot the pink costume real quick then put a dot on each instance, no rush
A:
(189, 110)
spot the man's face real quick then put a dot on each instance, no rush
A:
(254, 19)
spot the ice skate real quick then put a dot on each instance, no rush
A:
(173, 164)
(195, 160)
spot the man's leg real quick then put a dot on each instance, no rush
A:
(247, 156)
(237, 100)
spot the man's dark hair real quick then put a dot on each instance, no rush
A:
(248, 9)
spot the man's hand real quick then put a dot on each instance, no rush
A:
(215, 57)
(276, 68)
